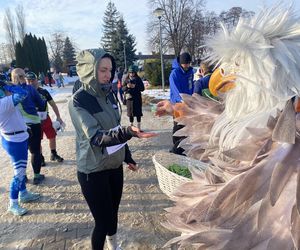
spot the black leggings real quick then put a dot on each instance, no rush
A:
(102, 192)
(138, 118)
(34, 145)
(177, 139)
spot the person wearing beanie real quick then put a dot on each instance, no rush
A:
(133, 87)
(46, 122)
(181, 82)
(185, 58)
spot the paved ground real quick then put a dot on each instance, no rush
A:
(61, 219)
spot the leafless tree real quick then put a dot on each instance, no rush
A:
(231, 17)
(20, 22)
(56, 44)
(4, 54)
(10, 32)
(177, 21)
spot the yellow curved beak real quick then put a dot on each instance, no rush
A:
(218, 82)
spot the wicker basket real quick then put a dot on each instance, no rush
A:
(167, 180)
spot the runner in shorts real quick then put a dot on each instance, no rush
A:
(46, 121)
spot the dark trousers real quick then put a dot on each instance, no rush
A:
(176, 140)
(34, 145)
(102, 192)
(138, 119)
(121, 93)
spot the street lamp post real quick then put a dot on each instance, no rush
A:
(124, 50)
(159, 12)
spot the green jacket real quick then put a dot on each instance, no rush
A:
(94, 114)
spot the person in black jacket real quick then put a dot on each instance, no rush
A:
(132, 87)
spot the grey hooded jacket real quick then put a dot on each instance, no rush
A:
(94, 115)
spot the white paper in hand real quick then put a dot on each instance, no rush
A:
(112, 149)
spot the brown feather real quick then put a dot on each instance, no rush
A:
(280, 177)
(225, 197)
(255, 178)
(260, 133)
(278, 243)
(271, 122)
(295, 226)
(243, 152)
(211, 237)
(298, 191)
(263, 213)
(285, 129)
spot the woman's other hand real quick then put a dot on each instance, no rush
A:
(132, 167)
(140, 134)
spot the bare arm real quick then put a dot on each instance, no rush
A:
(55, 109)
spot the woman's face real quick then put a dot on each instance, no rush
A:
(104, 70)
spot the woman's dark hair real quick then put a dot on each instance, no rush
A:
(113, 63)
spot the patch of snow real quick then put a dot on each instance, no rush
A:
(157, 93)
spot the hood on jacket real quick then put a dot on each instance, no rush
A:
(176, 65)
(86, 67)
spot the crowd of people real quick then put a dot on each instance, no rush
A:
(24, 119)
(244, 189)
(101, 141)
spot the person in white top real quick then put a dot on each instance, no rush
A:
(14, 135)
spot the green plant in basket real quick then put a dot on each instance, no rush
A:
(180, 170)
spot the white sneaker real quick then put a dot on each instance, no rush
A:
(16, 209)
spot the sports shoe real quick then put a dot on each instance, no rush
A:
(119, 248)
(28, 197)
(56, 157)
(43, 164)
(16, 209)
(37, 180)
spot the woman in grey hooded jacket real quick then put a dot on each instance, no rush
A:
(101, 145)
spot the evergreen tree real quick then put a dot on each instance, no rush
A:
(44, 54)
(121, 38)
(68, 53)
(20, 56)
(111, 15)
(28, 47)
(32, 54)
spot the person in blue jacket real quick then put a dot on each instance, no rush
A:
(14, 138)
(202, 83)
(29, 107)
(181, 82)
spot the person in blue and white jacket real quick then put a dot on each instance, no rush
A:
(14, 135)
(29, 108)
(181, 82)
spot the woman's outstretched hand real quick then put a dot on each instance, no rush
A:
(143, 134)
(164, 107)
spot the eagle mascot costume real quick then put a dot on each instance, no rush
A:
(249, 195)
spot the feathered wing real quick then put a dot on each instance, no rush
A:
(249, 196)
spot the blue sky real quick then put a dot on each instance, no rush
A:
(82, 19)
